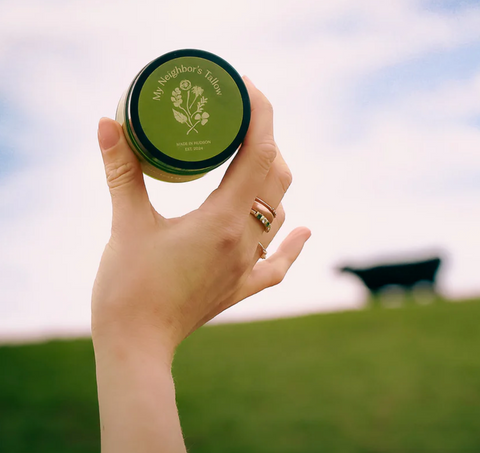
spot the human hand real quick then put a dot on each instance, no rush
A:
(170, 276)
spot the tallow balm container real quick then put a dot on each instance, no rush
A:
(184, 114)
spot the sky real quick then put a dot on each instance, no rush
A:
(377, 113)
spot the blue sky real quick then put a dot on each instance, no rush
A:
(424, 72)
(377, 110)
(8, 124)
(421, 74)
(449, 6)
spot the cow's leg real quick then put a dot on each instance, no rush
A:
(425, 292)
(375, 300)
(409, 295)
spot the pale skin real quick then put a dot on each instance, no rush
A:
(161, 279)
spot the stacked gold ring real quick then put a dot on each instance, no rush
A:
(263, 220)
(264, 213)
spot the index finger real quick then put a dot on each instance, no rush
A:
(249, 168)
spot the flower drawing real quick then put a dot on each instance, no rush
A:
(177, 97)
(185, 85)
(203, 117)
(197, 91)
(185, 114)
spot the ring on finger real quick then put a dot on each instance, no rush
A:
(256, 206)
(264, 251)
(265, 204)
(262, 219)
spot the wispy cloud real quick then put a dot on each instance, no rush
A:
(377, 108)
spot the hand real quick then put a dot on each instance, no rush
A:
(171, 276)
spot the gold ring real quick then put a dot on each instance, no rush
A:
(261, 208)
(264, 203)
(262, 219)
(264, 251)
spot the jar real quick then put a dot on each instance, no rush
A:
(184, 114)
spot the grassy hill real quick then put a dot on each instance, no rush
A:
(375, 381)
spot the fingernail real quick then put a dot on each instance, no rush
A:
(108, 135)
(248, 81)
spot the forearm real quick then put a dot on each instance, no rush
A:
(160, 279)
(136, 396)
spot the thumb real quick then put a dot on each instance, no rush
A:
(123, 171)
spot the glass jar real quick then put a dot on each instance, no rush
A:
(184, 114)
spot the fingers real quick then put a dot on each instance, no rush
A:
(252, 163)
(272, 271)
(276, 183)
(124, 174)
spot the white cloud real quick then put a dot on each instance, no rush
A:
(66, 64)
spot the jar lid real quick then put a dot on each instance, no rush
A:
(188, 111)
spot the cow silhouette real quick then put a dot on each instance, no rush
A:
(405, 275)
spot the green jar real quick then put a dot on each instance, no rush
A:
(184, 114)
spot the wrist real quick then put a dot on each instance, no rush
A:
(124, 340)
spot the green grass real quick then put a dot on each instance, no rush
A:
(376, 381)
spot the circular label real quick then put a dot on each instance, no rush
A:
(190, 109)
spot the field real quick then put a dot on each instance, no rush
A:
(402, 380)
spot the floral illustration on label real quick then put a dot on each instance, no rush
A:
(189, 118)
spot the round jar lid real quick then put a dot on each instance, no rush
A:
(189, 111)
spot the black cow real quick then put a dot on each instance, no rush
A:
(406, 275)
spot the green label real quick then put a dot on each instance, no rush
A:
(190, 109)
